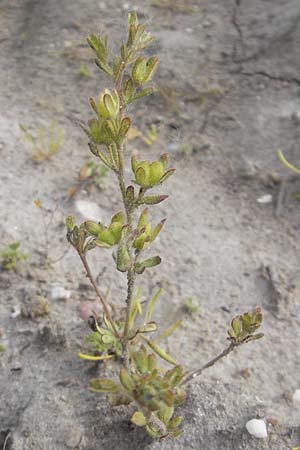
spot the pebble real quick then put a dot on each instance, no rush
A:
(53, 334)
(73, 438)
(88, 210)
(257, 428)
(58, 292)
(246, 169)
(207, 23)
(296, 398)
(87, 309)
(16, 312)
(102, 6)
(265, 199)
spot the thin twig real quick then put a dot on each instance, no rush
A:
(100, 296)
(211, 363)
(6, 439)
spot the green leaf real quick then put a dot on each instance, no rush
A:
(160, 352)
(123, 259)
(169, 331)
(104, 385)
(139, 419)
(154, 199)
(140, 266)
(126, 379)
(152, 303)
(104, 67)
(136, 308)
(124, 127)
(141, 94)
(166, 175)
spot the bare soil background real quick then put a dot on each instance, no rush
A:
(229, 83)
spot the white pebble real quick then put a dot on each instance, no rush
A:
(88, 210)
(264, 199)
(257, 428)
(58, 292)
(296, 397)
(16, 312)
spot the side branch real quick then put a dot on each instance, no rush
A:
(211, 363)
(100, 296)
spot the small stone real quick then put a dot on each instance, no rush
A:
(246, 169)
(73, 438)
(58, 292)
(257, 428)
(125, 6)
(16, 312)
(296, 398)
(102, 6)
(207, 23)
(53, 334)
(88, 210)
(265, 199)
(87, 309)
(189, 30)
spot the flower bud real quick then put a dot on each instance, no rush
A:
(93, 227)
(143, 70)
(109, 104)
(150, 174)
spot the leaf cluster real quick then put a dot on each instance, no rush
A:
(11, 255)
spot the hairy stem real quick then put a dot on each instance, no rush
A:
(131, 272)
(130, 289)
(211, 363)
(100, 296)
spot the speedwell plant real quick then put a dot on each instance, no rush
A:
(143, 382)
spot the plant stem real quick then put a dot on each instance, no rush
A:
(130, 289)
(100, 296)
(211, 363)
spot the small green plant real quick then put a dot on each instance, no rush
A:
(11, 256)
(190, 306)
(83, 70)
(131, 338)
(45, 144)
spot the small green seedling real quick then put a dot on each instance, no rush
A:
(152, 135)
(45, 144)
(2, 350)
(190, 306)
(83, 70)
(11, 256)
(148, 378)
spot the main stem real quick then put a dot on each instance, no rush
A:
(211, 363)
(100, 296)
(131, 272)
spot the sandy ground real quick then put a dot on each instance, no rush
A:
(230, 84)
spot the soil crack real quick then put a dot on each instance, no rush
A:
(262, 73)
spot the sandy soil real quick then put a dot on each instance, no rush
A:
(229, 78)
